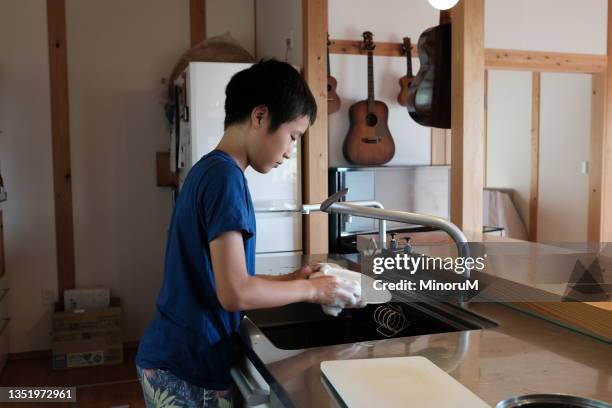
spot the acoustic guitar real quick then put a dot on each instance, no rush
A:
(429, 93)
(333, 100)
(404, 81)
(368, 141)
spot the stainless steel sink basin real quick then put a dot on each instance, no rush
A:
(304, 325)
(551, 401)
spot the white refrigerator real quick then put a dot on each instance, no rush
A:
(277, 196)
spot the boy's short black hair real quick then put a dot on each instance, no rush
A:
(274, 84)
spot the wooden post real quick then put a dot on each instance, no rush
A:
(606, 160)
(197, 21)
(467, 116)
(60, 134)
(534, 184)
(314, 143)
(485, 129)
(440, 146)
(598, 127)
(255, 53)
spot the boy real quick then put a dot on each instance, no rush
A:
(185, 354)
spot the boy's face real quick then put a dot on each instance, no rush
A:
(268, 150)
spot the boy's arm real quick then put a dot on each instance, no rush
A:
(302, 273)
(237, 290)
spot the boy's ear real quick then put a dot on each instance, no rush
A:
(258, 114)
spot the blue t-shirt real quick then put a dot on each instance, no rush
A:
(184, 336)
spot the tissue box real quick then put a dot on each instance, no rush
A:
(87, 337)
(94, 298)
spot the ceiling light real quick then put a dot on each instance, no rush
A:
(443, 4)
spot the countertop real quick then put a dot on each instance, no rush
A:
(522, 355)
(548, 267)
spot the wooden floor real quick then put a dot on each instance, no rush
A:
(101, 386)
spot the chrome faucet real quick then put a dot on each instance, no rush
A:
(333, 205)
(382, 223)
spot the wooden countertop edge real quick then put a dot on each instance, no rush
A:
(585, 317)
(607, 306)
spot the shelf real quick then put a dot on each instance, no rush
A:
(393, 167)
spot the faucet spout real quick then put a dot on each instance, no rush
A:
(408, 218)
(382, 223)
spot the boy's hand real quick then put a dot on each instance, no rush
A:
(331, 290)
(304, 272)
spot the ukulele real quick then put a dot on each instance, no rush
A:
(429, 94)
(404, 81)
(333, 100)
(368, 141)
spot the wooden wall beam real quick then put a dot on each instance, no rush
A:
(544, 61)
(467, 116)
(314, 143)
(60, 134)
(501, 59)
(534, 184)
(386, 49)
(598, 121)
(197, 21)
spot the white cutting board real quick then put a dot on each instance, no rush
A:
(397, 382)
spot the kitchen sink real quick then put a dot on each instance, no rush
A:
(304, 325)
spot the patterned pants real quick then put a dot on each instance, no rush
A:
(162, 389)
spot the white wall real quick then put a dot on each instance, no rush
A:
(509, 135)
(564, 144)
(272, 31)
(235, 16)
(576, 26)
(117, 125)
(389, 21)
(25, 161)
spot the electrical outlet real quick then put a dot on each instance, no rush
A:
(584, 167)
(48, 297)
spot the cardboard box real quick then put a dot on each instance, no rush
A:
(87, 337)
(91, 298)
